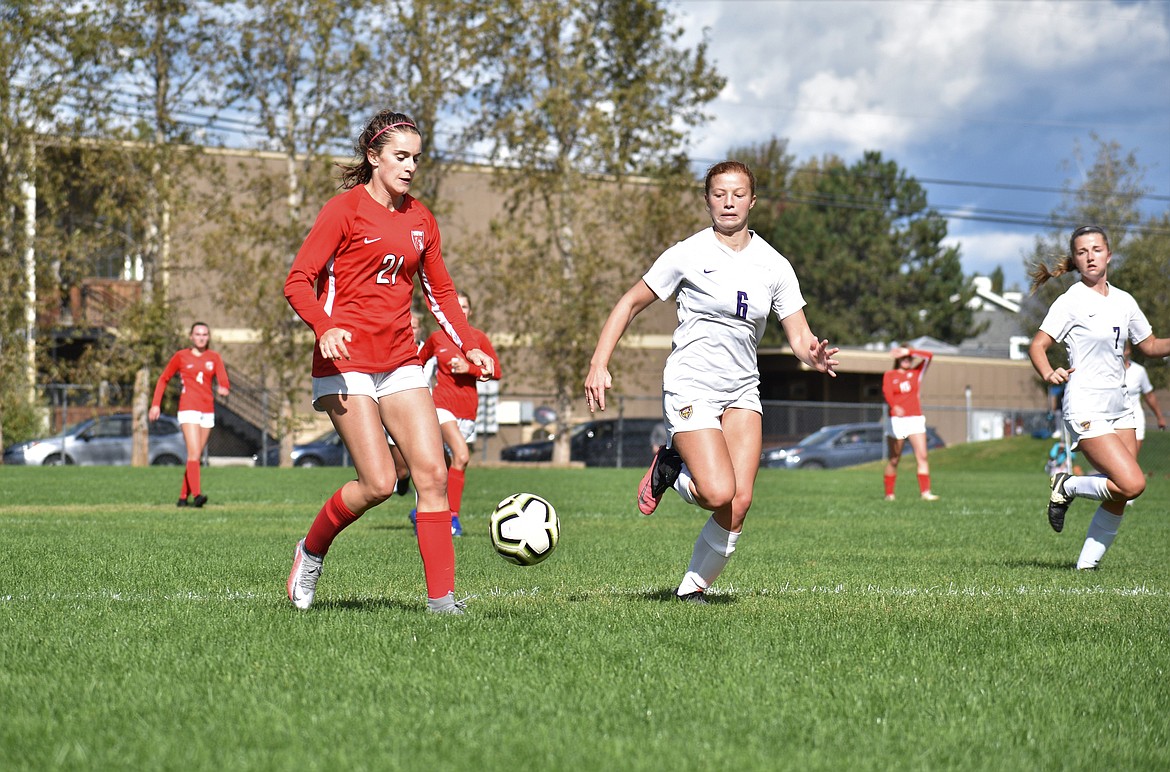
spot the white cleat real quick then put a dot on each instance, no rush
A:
(302, 580)
(447, 605)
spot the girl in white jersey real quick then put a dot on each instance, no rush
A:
(1094, 320)
(1138, 389)
(727, 280)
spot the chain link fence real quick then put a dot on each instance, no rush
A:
(509, 419)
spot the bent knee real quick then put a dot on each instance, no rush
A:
(714, 496)
(378, 488)
(1131, 488)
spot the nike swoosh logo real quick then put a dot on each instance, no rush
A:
(371, 241)
(708, 270)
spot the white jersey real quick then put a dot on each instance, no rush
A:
(1137, 383)
(1094, 328)
(724, 298)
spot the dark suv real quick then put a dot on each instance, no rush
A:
(623, 442)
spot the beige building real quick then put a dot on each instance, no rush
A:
(966, 396)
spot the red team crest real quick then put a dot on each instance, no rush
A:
(417, 238)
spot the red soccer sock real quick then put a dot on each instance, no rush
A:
(889, 480)
(438, 552)
(191, 479)
(455, 479)
(330, 521)
(923, 483)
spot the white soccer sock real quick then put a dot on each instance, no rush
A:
(683, 485)
(712, 550)
(1102, 531)
(1088, 487)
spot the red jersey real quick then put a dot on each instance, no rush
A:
(900, 387)
(456, 391)
(356, 271)
(195, 372)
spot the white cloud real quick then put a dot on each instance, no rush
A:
(964, 90)
(983, 251)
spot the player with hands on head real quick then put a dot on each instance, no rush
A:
(196, 367)
(1094, 319)
(352, 282)
(905, 422)
(726, 280)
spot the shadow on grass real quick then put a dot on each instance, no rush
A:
(370, 604)
(1046, 565)
(669, 595)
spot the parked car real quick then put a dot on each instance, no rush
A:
(596, 443)
(102, 440)
(326, 450)
(837, 445)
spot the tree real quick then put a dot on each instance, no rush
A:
(586, 96)
(45, 55)
(1143, 271)
(1108, 194)
(298, 68)
(997, 280)
(430, 51)
(868, 250)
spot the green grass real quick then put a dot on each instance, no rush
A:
(847, 632)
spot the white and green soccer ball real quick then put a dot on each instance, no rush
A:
(525, 529)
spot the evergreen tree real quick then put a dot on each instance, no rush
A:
(868, 250)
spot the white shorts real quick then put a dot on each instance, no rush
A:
(1086, 427)
(1139, 424)
(683, 414)
(206, 420)
(466, 425)
(372, 385)
(902, 426)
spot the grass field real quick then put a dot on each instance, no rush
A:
(847, 633)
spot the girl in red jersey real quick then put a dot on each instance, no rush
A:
(900, 387)
(196, 366)
(352, 283)
(457, 402)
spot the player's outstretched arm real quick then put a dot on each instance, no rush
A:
(636, 300)
(815, 353)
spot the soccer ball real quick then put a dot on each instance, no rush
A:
(525, 529)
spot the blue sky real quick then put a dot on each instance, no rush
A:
(996, 93)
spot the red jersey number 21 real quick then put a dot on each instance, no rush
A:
(391, 265)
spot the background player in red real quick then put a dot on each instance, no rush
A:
(352, 282)
(457, 402)
(900, 387)
(196, 366)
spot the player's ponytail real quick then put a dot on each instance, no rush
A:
(1042, 273)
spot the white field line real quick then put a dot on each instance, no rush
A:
(870, 590)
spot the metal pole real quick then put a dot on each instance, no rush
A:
(970, 417)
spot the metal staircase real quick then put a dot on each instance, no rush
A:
(245, 422)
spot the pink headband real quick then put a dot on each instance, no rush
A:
(385, 129)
